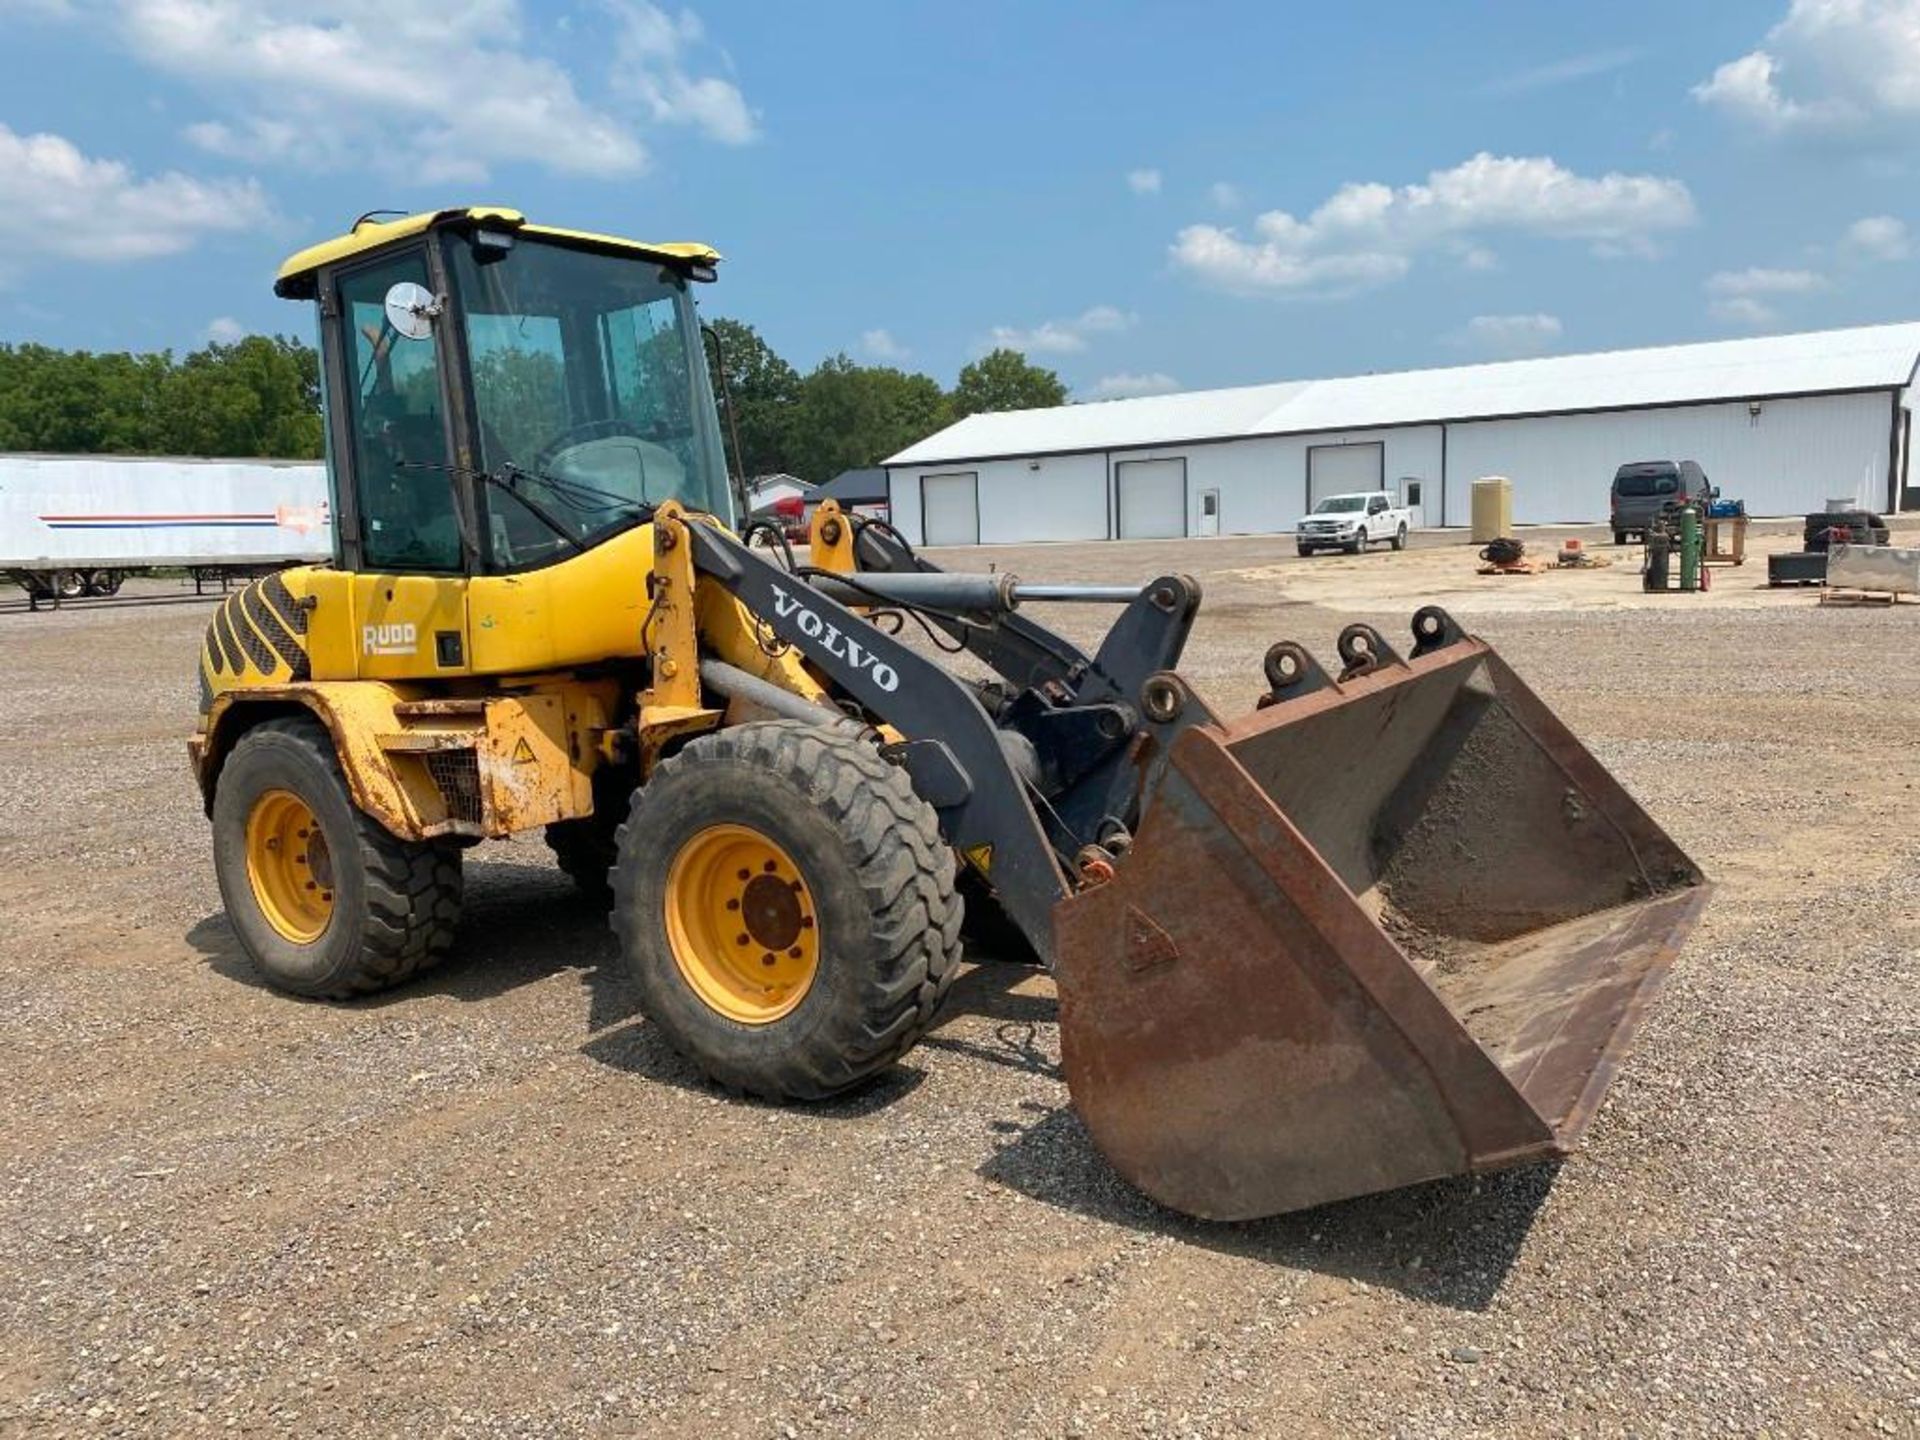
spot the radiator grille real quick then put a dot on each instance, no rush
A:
(457, 773)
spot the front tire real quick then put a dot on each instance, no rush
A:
(325, 901)
(787, 906)
(1305, 550)
(1619, 537)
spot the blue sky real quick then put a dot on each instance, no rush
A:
(1142, 196)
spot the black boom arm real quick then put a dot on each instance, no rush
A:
(955, 758)
(1022, 790)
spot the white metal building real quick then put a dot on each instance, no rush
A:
(1784, 422)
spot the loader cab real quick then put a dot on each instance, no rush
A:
(502, 396)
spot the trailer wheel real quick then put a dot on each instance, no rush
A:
(69, 584)
(324, 900)
(787, 905)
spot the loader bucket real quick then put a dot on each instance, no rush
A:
(1388, 928)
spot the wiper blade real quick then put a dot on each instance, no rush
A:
(505, 481)
(576, 492)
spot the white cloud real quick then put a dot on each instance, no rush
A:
(1365, 234)
(1561, 72)
(1510, 334)
(431, 91)
(225, 330)
(1744, 310)
(1829, 66)
(1060, 337)
(1126, 386)
(1225, 196)
(1759, 281)
(1144, 182)
(1878, 237)
(880, 345)
(651, 61)
(60, 204)
(428, 91)
(1735, 296)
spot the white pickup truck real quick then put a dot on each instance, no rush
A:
(1351, 523)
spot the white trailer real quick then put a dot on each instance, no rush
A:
(80, 524)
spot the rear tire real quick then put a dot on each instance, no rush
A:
(832, 869)
(1619, 537)
(1400, 538)
(586, 851)
(363, 912)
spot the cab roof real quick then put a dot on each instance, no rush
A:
(296, 278)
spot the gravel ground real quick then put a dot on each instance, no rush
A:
(492, 1203)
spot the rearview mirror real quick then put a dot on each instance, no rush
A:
(411, 310)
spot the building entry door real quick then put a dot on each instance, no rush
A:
(1209, 512)
(1410, 488)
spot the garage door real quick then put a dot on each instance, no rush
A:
(1153, 499)
(1342, 469)
(950, 509)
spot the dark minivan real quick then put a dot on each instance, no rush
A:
(1646, 487)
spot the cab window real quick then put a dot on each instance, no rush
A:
(398, 433)
(589, 394)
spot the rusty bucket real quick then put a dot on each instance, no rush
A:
(1391, 927)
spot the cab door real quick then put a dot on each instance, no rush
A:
(406, 552)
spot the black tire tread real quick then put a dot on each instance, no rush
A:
(584, 850)
(904, 868)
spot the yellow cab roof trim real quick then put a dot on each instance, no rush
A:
(371, 234)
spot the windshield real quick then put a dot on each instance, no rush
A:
(590, 394)
(1638, 486)
(1340, 504)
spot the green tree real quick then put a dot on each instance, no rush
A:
(1005, 380)
(854, 415)
(258, 397)
(75, 401)
(764, 391)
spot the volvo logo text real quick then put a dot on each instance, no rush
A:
(841, 647)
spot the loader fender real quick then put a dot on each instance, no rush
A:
(424, 766)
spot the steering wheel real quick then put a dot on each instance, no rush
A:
(585, 432)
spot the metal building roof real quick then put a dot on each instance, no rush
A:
(1867, 358)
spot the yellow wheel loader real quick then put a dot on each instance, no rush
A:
(1393, 924)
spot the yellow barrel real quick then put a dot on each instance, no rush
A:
(1492, 508)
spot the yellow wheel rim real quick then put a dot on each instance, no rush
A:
(742, 924)
(289, 866)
